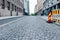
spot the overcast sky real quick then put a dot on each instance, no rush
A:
(32, 5)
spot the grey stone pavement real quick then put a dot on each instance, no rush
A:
(30, 28)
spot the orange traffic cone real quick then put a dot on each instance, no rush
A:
(49, 17)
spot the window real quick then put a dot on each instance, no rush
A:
(12, 7)
(58, 6)
(8, 6)
(52, 3)
(3, 4)
(19, 9)
(54, 6)
(48, 5)
(15, 8)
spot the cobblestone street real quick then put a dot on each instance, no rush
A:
(30, 28)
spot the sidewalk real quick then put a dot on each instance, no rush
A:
(46, 19)
(1, 18)
(4, 20)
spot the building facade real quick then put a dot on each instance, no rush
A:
(26, 7)
(36, 9)
(40, 6)
(11, 7)
(50, 5)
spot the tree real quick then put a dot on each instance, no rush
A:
(32, 14)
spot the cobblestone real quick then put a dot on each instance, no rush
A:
(30, 28)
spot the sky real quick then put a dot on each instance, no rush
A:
(32, 5)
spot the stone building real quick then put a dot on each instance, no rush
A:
(26, 7)
(40, 6)
(50, 5)
(11, 7)
(36, 9)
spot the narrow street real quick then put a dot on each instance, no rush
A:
(30, 28)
